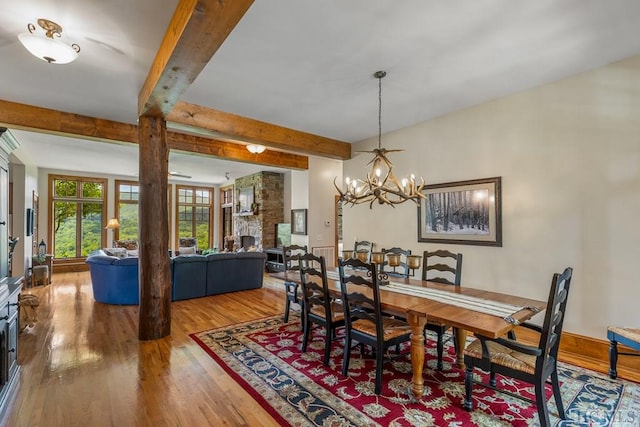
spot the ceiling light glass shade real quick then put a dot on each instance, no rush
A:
(47, 46)
(256, 149)
(49, 50)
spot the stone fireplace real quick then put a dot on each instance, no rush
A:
(265, 211)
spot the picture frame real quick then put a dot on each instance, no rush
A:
(245, 200)
(462, 212)
(299, 221)
(29, 222)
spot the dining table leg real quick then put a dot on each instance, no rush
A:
(461, 340)
(417, 321)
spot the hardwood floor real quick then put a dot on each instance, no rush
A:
(82, 363)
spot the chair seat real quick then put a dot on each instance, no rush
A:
(630, 334)
(504, 356)
(391, 327)
(337, 311)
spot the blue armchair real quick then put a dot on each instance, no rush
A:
(114, 280)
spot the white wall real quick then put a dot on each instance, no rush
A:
(569, 157)
(321, 227)
(299, 200)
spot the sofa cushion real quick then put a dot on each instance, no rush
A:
(189, 277)
(230, 272)
(127, 261)
(101, 259)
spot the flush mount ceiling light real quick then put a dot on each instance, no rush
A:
(47, 46)
(381, 185)
(256, 149)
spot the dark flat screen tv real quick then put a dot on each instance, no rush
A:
(283, 234)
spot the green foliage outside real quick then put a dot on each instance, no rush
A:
(66, 213)
(128, 217)
(70, 205)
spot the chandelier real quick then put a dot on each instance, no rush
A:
(47, 46)
(381, 184)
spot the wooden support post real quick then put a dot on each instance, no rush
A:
(153, 262)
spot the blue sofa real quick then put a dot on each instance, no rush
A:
(115, 280)
(188, 277)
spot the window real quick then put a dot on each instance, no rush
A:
(78, 206)
(226, 213)
(193, 216)
(127, 195)
(127, 199)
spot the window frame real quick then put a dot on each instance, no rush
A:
(193, 204)
(52, 199)
(117, 201)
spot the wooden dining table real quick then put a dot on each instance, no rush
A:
(418, 309)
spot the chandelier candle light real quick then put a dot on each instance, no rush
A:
(381, 185)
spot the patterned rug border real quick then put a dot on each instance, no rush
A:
(246, 386)
(624, 413)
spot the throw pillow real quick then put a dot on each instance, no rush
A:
(130, 244)
(116, 252)
(189, 250)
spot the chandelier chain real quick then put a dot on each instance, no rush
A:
(381, 185)
(380, 76)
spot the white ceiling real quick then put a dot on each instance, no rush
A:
(307, 64)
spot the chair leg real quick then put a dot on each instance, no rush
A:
(468, 387)
(440, 349)
(303, 317)
(541, 403)
(327, 345)
(346, 355)
(287, 306)
(613, 360)
(454, 334)
(379, 360)
(492, 379)
(305, 333)
(555, 384)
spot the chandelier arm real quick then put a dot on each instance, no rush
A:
(338, 189)
(386, 189)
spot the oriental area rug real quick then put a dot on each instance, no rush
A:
(265, 358)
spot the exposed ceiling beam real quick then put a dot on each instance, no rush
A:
(196, 31)
(237, 152)
(38, 119)
(231, 127)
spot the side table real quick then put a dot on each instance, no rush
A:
(46, 260)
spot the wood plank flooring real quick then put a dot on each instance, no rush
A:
(82, 363)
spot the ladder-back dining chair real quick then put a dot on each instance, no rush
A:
(532, 364)
(290, 261)
(364, 321)
(363, 245)
(319, 307)
(401, 268)
(445, 267)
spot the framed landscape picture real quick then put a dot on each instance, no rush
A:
(463, 212)
(299, 221)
